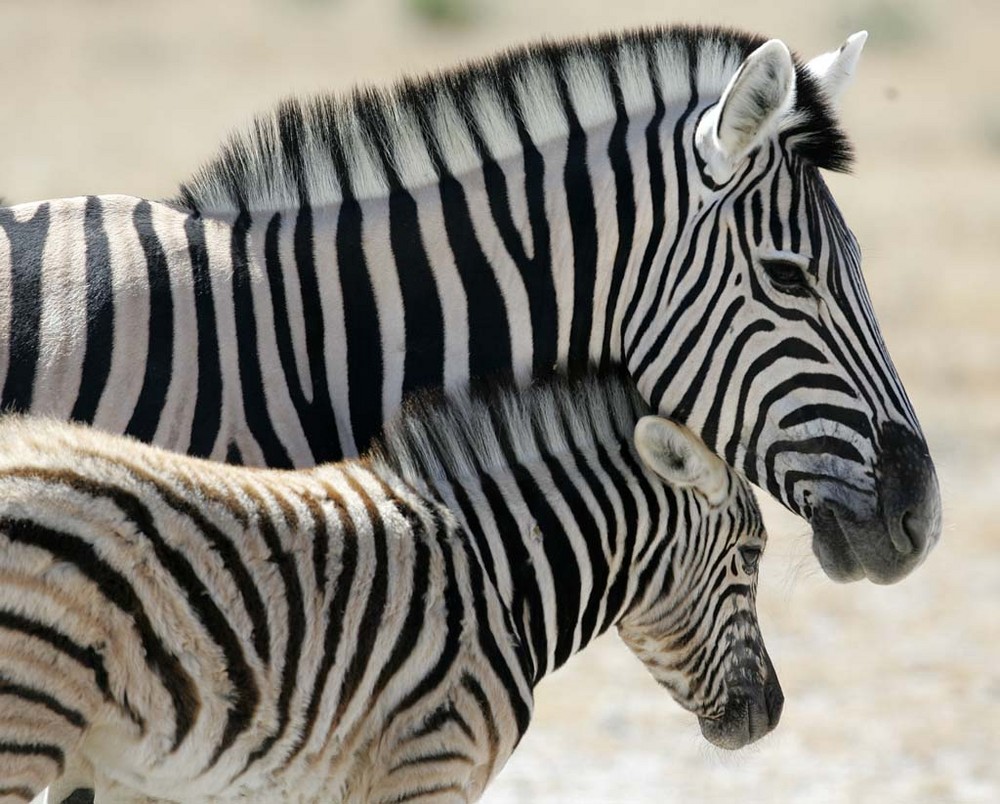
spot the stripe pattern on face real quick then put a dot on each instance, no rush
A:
(364, 631)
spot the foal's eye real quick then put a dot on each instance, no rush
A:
(751, 558)
(786, 275)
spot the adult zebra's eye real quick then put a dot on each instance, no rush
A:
(751, 558)
(786, 275)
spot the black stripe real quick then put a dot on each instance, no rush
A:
(226, 550)
(797, 383)
(488, 643)
(85, 656)
(423, 318)
(524, 583)
(657, 203)
(115, 587)
(27, 251)
(557, 545)
(757, 218)
(489, 328)
(72, 716)
(245, 694)
(682, 412)
(368, 629)
(777, 239)
(251, 382)
(687, 348)
(430, 759)
(526, 588)
(47, 750)
(413, 623)
(99, 343)
(285, 560)
(160, 343)
(320, 426)
(454, 619)
(208, 404)
(439, 718)
(536, 271)
(583, 228)
(316, 416)
(591, 530)
(734, 356)
(361, 323)
(794, 232)
(813, 479)
(658, 198)
(627, 487)
(847, 417)
(625, 211)
(335, 612)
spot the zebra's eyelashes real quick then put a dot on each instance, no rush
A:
(789, 273)
(750, 555)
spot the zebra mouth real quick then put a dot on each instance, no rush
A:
(746, 719)
(833, 549)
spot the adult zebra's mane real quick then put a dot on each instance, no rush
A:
(363, 145)
(436, 437)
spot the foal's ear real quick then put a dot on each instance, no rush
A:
(756, 98)
(681, 458)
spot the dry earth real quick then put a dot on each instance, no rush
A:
(893, 694)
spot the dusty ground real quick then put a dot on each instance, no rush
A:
(893, 694)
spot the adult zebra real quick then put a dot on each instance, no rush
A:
(651, 199)
(367, 631)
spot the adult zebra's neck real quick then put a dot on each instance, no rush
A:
(499, 219)
(556, 504)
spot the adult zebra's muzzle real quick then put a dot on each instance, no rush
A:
(906, 523)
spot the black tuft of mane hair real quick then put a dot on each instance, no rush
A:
(817, 137)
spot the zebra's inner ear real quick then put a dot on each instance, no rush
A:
(834, 70)
(680, 457)
(756, 98)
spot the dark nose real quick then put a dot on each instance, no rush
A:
(908, 491)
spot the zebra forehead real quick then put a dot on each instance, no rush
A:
(359, 145)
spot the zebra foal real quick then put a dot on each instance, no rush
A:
(370, 630)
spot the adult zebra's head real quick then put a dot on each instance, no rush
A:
(694, 621)
(787, 376)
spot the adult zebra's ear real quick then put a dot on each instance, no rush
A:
(757, 97)
(834, 70)
(681, 458)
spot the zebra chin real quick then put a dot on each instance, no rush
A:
(887, 542)
(747, 717)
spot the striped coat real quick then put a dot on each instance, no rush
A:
(365, 631)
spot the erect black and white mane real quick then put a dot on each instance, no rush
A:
(332, 148)
(437, 438)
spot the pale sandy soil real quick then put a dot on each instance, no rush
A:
(893, 694)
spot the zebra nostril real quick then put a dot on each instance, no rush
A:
(903, 533)
(912, 531)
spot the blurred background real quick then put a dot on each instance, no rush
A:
(893, 694)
